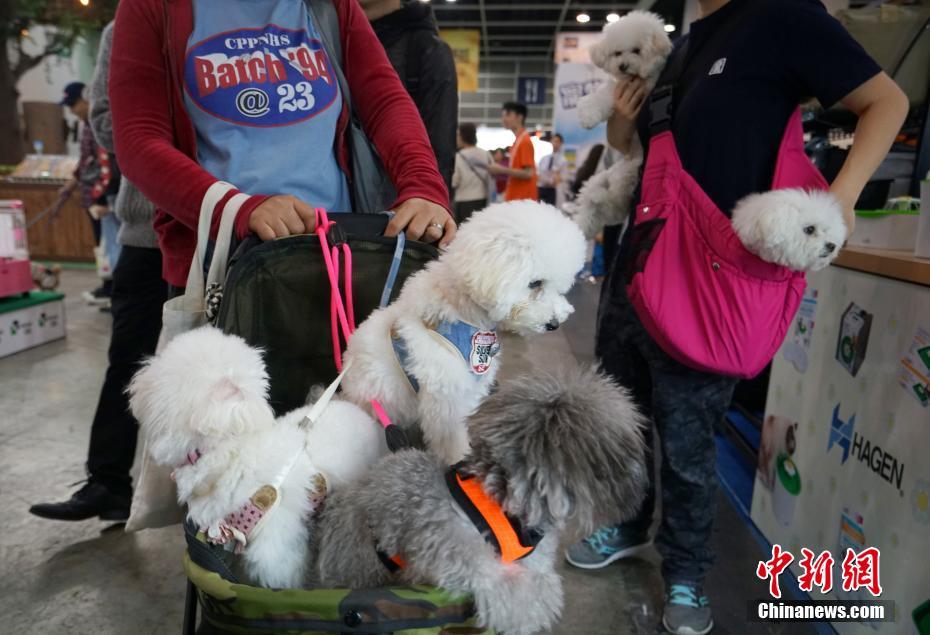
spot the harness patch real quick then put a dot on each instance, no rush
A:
(484, 347)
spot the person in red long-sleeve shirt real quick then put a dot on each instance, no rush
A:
(244, 92)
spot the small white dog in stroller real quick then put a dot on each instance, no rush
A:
(249, 481)
(429, 357)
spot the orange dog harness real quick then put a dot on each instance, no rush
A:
(501, 530)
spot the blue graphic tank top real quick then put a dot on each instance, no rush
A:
(264, 100)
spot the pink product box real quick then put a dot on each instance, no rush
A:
(15, 277)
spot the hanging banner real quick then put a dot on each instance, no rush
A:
(843, 457)
(573, 46)
(466, 49)
(573, 81)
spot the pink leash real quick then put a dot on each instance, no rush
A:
(343, 313)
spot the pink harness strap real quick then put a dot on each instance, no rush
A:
(342, 311)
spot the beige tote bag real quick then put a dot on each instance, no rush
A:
(155, 503)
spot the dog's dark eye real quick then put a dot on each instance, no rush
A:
(809, 230)
(635, 51)
(535, 284)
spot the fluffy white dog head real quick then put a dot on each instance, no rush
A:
(634, 46)
(517, 261)
(794, 228)
(203, 385)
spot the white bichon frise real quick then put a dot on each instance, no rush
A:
(798, 229)
(634, 46)
(249, 481)
(607, 197)
(553, 455)
(430, 357)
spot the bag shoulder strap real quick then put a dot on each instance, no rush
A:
(327, 23)
(470, 166)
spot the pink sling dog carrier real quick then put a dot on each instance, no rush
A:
(703, 297)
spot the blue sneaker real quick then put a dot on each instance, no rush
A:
(687, 610)
(608, 544)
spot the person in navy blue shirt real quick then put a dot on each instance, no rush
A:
(729, 118)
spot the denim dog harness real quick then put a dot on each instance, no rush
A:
(476, 347)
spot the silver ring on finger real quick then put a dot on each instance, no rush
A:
(438, 226)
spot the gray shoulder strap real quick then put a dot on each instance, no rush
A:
(327, 23)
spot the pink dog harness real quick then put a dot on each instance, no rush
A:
(236, 529)
(702, 296)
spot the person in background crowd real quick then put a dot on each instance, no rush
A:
(95, 176)
(551, 171)
(499, 157)
(750, 62)
(138, 294)
(521, 173)
(407, 30)
(180, 127)
(471, 182)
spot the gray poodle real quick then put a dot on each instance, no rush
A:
(550, 454)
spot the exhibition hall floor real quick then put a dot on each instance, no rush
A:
(91, 577)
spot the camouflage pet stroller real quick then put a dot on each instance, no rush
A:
(276, 296)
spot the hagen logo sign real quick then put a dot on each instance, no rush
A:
(878, 460)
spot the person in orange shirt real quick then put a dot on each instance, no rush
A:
(521, 175)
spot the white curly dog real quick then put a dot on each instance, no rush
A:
(634, 46)
(798, 229)
(431, 356)
(249, 481)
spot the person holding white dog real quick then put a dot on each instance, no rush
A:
(728, 97)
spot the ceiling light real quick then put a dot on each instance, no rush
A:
(583, 18)
(84, 2)
(613, 17)
(669, 28)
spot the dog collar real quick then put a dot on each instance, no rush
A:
(502, 531)
(477, 347)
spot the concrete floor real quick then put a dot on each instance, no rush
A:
(89, 577)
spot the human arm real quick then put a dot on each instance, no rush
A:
(524, 174)
(99, 119)
(384, 108)
(881, 106)
(629, 96)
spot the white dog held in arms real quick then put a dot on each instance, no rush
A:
(430, 357)
(636, 46)
(798, 229)
(250, 482)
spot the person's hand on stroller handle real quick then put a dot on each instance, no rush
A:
(281, 216)
(422, 220)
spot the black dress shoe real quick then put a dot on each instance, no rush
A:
(91, 500)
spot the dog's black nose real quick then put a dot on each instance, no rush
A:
(830, 247)
(624, 68)
(552, 325)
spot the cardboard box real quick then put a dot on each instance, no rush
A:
(853, 341)
(30, 321)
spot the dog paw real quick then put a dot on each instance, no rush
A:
(794, 228)
(588, 112)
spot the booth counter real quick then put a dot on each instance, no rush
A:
(843, 460)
